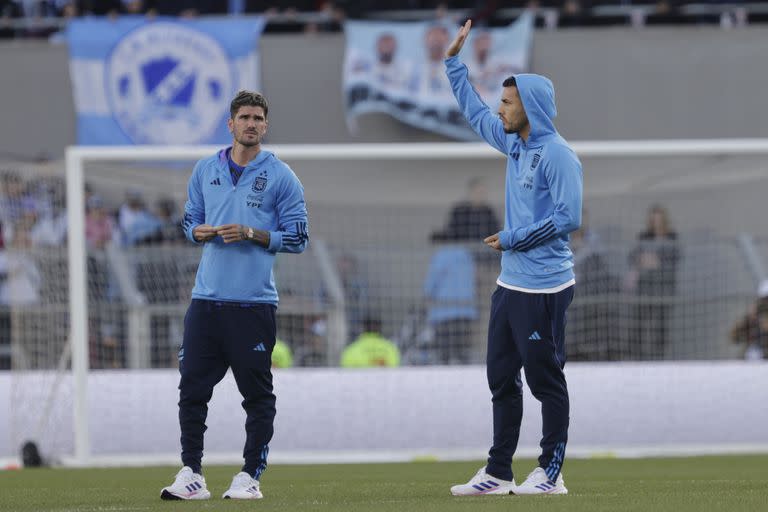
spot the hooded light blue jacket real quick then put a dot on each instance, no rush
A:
(544, 182)
(267, 196)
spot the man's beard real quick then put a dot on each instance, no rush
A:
(515, 128)
(249, 143)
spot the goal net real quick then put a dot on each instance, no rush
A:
(395, 243)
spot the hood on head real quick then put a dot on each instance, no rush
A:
(538, 96)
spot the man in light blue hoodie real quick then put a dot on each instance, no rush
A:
(245, 205)
(526, 330)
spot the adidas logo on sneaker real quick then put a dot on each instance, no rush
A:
(538, 482)
(483, 484)
(243, 487)
(535, 336)
(186, 486)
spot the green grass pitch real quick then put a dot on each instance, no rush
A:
(732, 483)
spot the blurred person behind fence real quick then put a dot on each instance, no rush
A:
(652, 278)
(751, 330)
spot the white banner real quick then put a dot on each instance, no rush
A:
(398, 68)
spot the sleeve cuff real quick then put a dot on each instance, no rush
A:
(190, 235)
(505, 239)
(275, 241)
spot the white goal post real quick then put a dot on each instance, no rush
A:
(77, 156)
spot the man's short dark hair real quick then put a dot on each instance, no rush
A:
(248, 99)
(509, 82)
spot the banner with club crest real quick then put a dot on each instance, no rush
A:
(166, 81)
(397, 68)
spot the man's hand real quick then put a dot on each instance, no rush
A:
(455, 47)
(231, 232)
(493, 242)
(204, 233)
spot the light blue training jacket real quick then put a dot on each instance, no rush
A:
(267, 196)
(544, 182)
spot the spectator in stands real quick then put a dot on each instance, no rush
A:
(14, 200)
(21, 281)
(473, 218)
(272, 7)
(653, 279)
(667, 12)
(10, 10)
(22, 278)
(751, 330)
(470, 221)
(184, 8)
(449, 289)
(592, 317)
(573, 14)
(137, 225)
(284, 10)
(73, 8)
(330, 18)
(133, 7)
(105, 347)
(370, 348)
(50, 229)
(167, 212)
(99, 225)
(312, 348)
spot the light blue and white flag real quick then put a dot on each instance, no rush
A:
(398, 68)
(166, 81)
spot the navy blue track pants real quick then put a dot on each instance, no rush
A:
(217, 336)
(527, 331)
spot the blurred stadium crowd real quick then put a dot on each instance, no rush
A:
(139, 263)
(44, 18)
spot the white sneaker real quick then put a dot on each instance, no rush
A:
(539, 483)
(243, 488)
(483, 483)
(186, 486)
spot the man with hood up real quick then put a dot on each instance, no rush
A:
(543, 197)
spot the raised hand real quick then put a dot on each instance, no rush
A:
(455, 47)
